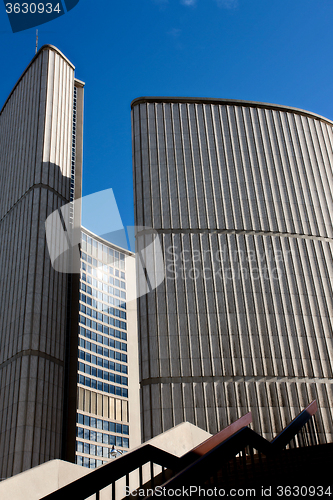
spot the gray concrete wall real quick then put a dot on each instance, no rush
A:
(35, 162)
(241, 196)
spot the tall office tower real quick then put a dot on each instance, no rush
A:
(108, 420)
(241, 196)
(40, 170)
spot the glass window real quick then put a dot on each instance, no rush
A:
(79, 432)
(99, 424)
(105, 452)
(112, 440)
(119, 441)
(125, 442)
(99, 437)
(92, 421)
(92, 460)
(87, 434)
(112, 427)
(92, 449)
(93, 435)
(87, 420)
(79, 460)
(79, 447)
(125, 429)
(99, 453)
(105, 439)
(93, 384)
(118, 428)
(86, 448)
(80, 418)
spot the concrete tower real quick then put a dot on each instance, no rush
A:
(40, 170)
(241, 196)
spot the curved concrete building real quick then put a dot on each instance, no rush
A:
(40, 170)
(241, 194)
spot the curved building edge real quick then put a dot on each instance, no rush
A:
(232, 102)
(44, 47)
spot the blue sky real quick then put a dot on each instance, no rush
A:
(277, 51)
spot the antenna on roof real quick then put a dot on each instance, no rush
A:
(36, 41)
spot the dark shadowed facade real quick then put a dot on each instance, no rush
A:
(241, 196)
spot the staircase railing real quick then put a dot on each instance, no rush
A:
(107, 475)
(207, 465)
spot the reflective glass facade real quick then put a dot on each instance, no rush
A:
(102, 377)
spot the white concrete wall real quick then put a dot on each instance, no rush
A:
(46, 478)
(41, 480)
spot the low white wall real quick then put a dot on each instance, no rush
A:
(35, 483)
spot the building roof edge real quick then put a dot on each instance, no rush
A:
(106, 242)
(235, 102)
(44, 47)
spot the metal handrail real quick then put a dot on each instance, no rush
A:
(204, 466)
(104, 476)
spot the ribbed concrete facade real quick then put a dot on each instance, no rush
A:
(35, 177)
(241, 195)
